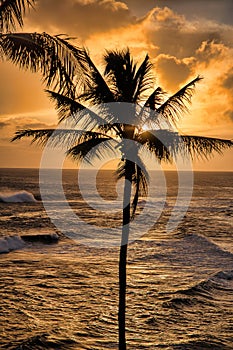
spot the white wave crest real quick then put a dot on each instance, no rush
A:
(17, 197)
(10, 243)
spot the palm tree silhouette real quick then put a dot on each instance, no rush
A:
(123, 81)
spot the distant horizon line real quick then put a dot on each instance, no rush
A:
(203, 171)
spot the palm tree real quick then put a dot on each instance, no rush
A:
(123, 81)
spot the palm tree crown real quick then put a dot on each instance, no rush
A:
(123, 81)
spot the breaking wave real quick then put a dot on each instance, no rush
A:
(10, 243)
(17, 197)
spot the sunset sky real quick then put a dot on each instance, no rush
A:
(183, 39)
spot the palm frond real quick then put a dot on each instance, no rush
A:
(164, 144)
(148, 114)
(57, 137)
(120, 70)
(143, 79)
(50, 55)
(11, 13)
(83, 63)
(96, 88)
(95, 147)
(65, 105)
(41, 136)
(74, 112)
(155, 99)
(203, 147)
(173, 108)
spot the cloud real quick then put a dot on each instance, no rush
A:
(228, 80)
(229, 114)
(21, 153)
(79, 18)
(210, 51)
(3, 125)
(213, 9)
(173, 42)
(227, 85)
(174, 35)
(172, 71)
(12, 124)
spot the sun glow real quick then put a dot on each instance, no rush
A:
(145, 127)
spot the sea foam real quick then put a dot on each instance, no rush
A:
(16, 197)
(10, 243)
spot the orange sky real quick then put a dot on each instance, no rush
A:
(182, 39)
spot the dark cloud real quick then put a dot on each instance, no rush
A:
(18, 123)
(175, 36)
(33, 125)
(228, 80)
(227, 84)
(80, 18)
(210, 51)
(2, 125)
(220, 11)
(217, 10)
(229, 114)
(140, 7)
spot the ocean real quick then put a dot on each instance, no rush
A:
(59, 293)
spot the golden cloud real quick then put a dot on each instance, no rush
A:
(172, 71)
(176, 36)
(227, 81)
(9, 126)
(79, 18)
(227, 84)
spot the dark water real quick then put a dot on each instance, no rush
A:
(64, 295)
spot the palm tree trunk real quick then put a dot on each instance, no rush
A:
(123, 258)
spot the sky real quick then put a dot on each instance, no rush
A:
(182, 38)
